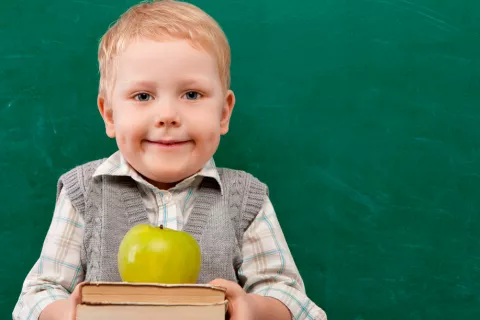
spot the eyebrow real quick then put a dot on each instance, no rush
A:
(195, 79)
(142, 84)
(202, 82)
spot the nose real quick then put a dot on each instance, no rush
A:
(166, 116)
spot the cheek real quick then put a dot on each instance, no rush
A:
(205, 129)
(128, 127)
(121, 140)
(210, 139)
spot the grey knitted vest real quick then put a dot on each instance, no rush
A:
(111, 205)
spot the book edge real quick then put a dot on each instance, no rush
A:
(106, 303)
(140, 304)
(161, 285)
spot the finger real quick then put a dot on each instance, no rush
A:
(74, 300)
(233, 294)
(233, 290)
(76, 296)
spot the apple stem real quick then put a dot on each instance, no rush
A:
(161, 226)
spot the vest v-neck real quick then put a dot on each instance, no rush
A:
(135, 210)
(208, 194)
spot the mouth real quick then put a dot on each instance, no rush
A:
(168, 143)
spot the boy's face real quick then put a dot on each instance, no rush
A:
(167, 109)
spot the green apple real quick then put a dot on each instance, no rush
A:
(150, 254)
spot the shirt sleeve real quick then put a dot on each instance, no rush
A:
(268, 268)
(58, 270)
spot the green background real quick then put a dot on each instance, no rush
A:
(361, 115)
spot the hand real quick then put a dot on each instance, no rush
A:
(73, 300)
(241, 306)
(65, 309)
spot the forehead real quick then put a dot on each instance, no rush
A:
(175, 58)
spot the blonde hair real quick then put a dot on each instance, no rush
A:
(160, 20)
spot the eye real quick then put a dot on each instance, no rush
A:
(192, 95)
(143, 97)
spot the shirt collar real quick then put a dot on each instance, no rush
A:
(116, 165)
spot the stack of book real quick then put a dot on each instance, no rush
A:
(127, 301)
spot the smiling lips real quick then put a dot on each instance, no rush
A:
(168, 143)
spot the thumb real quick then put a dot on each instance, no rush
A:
(76, 296)
(233, 289)
(233, 292)
(74, 300)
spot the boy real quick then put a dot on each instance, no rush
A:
(164, 96)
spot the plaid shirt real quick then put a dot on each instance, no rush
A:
(267, 263)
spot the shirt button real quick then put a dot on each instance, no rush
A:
(167, 197)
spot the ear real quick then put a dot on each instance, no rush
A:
(227, 112)
(107, 115)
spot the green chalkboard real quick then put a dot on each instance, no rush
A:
(363, 116)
